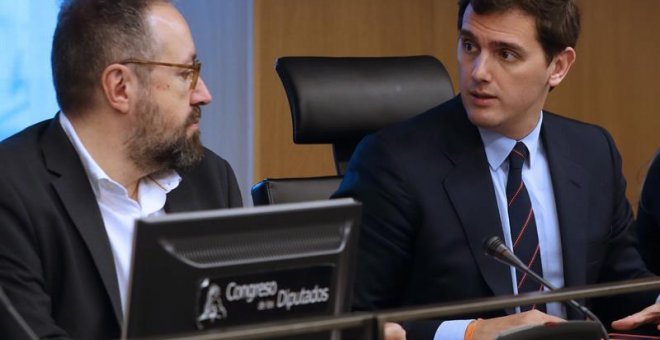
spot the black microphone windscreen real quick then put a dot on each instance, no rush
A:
(492, 245)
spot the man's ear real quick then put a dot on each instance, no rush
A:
(118, 83)
(560, 65)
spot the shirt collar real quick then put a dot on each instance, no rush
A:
(498, 147)
(166, 180)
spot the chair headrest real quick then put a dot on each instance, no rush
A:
(334, 100)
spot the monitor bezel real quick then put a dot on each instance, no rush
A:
(346, 209)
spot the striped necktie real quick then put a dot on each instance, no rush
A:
(523, 224)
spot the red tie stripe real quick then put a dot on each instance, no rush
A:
(522, 222)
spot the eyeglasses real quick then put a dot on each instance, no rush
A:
(196, 67)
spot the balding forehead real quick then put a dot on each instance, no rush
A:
(170, 32)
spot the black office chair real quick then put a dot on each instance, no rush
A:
(289, 190)
(339, 100)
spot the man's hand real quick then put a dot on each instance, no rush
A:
(650, 314)
(488, 329)
(394, 331)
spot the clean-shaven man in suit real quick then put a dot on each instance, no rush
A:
(435, 187)
(125, 145)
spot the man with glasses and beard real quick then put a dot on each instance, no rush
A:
(125, 145)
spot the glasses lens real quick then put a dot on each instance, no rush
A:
(195, 76)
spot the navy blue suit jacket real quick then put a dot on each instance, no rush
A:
(648, 218)
(429, 203)
(56, 263)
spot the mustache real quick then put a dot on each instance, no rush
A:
(194, 116)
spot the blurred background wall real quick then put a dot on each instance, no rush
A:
(612, 84)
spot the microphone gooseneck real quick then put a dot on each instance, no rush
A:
(495, 248)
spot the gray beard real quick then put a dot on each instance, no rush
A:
(153, 148)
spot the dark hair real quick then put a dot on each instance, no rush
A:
(557, 21)
(90, 35)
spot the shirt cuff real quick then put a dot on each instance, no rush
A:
(452, 330)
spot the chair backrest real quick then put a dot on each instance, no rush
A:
(290, 190)
(339, 100)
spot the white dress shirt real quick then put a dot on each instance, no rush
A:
(118, 210)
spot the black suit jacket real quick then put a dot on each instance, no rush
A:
(56, 263)
(648, 218)
(429, 203)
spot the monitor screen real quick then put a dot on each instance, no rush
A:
(212, 269)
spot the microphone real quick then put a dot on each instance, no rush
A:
(495, 248)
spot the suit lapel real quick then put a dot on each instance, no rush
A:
(470, 189)
(182, 198)
(72, 186)
(570, 185)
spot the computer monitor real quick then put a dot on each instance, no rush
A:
(213, 269)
